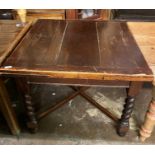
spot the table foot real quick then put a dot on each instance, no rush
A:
(123, 125)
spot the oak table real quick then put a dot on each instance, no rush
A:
(79, 54)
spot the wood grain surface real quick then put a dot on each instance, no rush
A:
(79, 50)
(8, 32)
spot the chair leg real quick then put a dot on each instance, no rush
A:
(123, 124)
(32, 122)
(149, 121)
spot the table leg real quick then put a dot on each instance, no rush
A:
(123, 124)
(7, 110)
(32, 122)
(149, 121)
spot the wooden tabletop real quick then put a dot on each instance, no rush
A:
(79, 50)
(8, 32)
(144, 35)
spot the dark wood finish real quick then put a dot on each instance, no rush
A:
(76, 82)
(32, 122)
(71, 14)
(123, 125)
(65, 46)
(80, 51)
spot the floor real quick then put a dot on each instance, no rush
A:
(78, 122)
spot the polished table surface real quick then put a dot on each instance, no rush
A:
(8, 33)
(79, 50)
